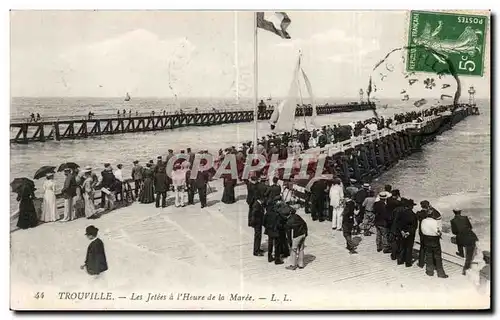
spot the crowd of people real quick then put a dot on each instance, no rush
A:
(355, 211)
(152, 182)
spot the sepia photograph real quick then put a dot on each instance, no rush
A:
(250, 160)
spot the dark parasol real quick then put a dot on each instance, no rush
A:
(70, 165)
(43, 171)
(18, 183)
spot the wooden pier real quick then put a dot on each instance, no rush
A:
(82, 128)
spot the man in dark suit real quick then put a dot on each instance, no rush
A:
(95, 261)
(256, 221)
(404, 227)
(348, 224)
(201, 185)
(296, 229)
(318, 199)
(251, 196)
(161, 184)
(273, 191)
(462, 229)
(272, 224)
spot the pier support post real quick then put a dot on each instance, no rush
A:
(364, 160)
(381, 153)
(42, 133)
(345, 169)
(355, 166)
(57, 134)
(373, 156)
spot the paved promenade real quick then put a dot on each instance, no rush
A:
(209, 251)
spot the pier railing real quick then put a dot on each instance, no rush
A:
(81, 127)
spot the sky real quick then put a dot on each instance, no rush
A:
(193, 54)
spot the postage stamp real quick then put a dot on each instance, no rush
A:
(434, 37)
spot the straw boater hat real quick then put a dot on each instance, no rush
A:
(366, 185)
(384, 195)
(49, 174)
(87, 169)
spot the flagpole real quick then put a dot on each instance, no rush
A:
(255, 82)
(236, 61)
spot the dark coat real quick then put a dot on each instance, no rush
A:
(392, 204)
(360, 197)
(160, 179)
(274, 221)
(69, 188)
(382, 216)
(296, 225)
(405, 220)
(322, 141)
(257, 215)
(95, 262)
(348, 215)
(108, 179)
(272, 192)
(201, 179)
(251, 192)
(462, 228)
(318, 189)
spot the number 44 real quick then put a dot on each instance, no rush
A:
(465, 64)
(39, 295)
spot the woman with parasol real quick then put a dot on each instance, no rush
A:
(49, 208)
(25, 189)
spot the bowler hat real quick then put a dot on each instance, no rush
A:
(91, 230)
(486, 254)
(136, 162)
(107, 164)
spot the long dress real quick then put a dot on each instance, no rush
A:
(228, 194)
(88, 197)
(49, 209)
(27, 213)
(147, 192)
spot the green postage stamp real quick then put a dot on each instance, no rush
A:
(437, 39)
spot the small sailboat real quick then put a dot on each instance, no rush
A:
(270, 98)
(127, 97)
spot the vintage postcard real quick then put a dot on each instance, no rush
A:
(240, 160)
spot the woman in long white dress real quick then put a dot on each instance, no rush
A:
(49, 208)
(88, 194)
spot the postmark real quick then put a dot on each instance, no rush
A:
(435, 37)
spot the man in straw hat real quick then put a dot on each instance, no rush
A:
(69, 192)
(382, 218)
(137, 177)
(95, 260)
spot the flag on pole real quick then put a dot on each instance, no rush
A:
(309, 91)
(275, 22)
(283, 117)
